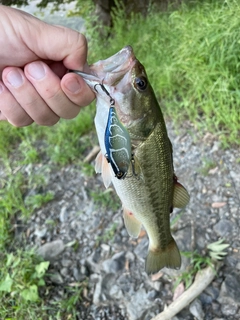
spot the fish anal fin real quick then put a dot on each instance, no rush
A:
(102, 166)
(159, 258)
(133, 225)
(180, 195)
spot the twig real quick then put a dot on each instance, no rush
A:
(92, 154)
(203, 278)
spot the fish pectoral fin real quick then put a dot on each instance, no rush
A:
(98, 162)
(133, 225)
(180, 195)
(159, 258)
(136, 169)
(106, 173)
(102, 166)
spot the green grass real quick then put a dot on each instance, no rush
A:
(192, 59)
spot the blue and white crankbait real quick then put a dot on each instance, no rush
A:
(117, 144)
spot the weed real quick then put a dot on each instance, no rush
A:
(88, 169)
(38, 200)
(208, 164)
(22, 274)
(108, 234)
(191, 57)
(215, 251)
(106, 199)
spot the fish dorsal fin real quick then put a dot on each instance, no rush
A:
(102, 166)
(133, 226)
(180, 195)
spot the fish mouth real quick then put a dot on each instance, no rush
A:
(110, 71)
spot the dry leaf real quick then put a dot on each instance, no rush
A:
(142, 233)
(217, 205)
(156, 276)
(213, 171)
(178, 291)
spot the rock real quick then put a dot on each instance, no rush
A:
(63, 214)
(40, 232)
(102, 290)
(231, 287)
(138, 305)
(142, 249)
(76, 274)
(115, 264)
(196, 309)
(49, 251)
(56, 278)
(228, 306)
(64, 272)
(224, 228)
(66, 262)
(152, 295)
(115, 292)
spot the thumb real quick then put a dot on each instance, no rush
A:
(49, 42)
(63, 44)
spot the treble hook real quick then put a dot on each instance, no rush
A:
(112, 101)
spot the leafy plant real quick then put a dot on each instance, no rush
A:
(38, 200)
(197, 261)
(107, 198)
(108, 234)
(22, 273)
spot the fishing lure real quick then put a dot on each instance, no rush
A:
(117, 144)
(117, 141)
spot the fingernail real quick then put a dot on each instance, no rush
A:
(36, 70)
(15, 78)
(73, 85)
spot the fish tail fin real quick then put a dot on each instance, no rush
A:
(159, 258)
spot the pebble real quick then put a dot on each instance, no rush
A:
(224, 228)
(231, 287)
(51, 250)
(56, 278)
(66, 262)
(196, 309)
(40, 232)
(115, 264)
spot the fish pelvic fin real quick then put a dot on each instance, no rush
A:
(133, 225)
(102, 166)
(180, 195)
(159, 258)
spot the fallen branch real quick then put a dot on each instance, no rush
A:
(203, 278)
(92, 154)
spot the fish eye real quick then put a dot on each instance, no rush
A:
(140, 83)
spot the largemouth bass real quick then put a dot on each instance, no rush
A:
(149, 188)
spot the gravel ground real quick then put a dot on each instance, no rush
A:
(86, 241)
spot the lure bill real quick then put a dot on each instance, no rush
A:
(135, 125)
(118, 145)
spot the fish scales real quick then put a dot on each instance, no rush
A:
(150, 187)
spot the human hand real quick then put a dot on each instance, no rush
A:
(34, 59)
